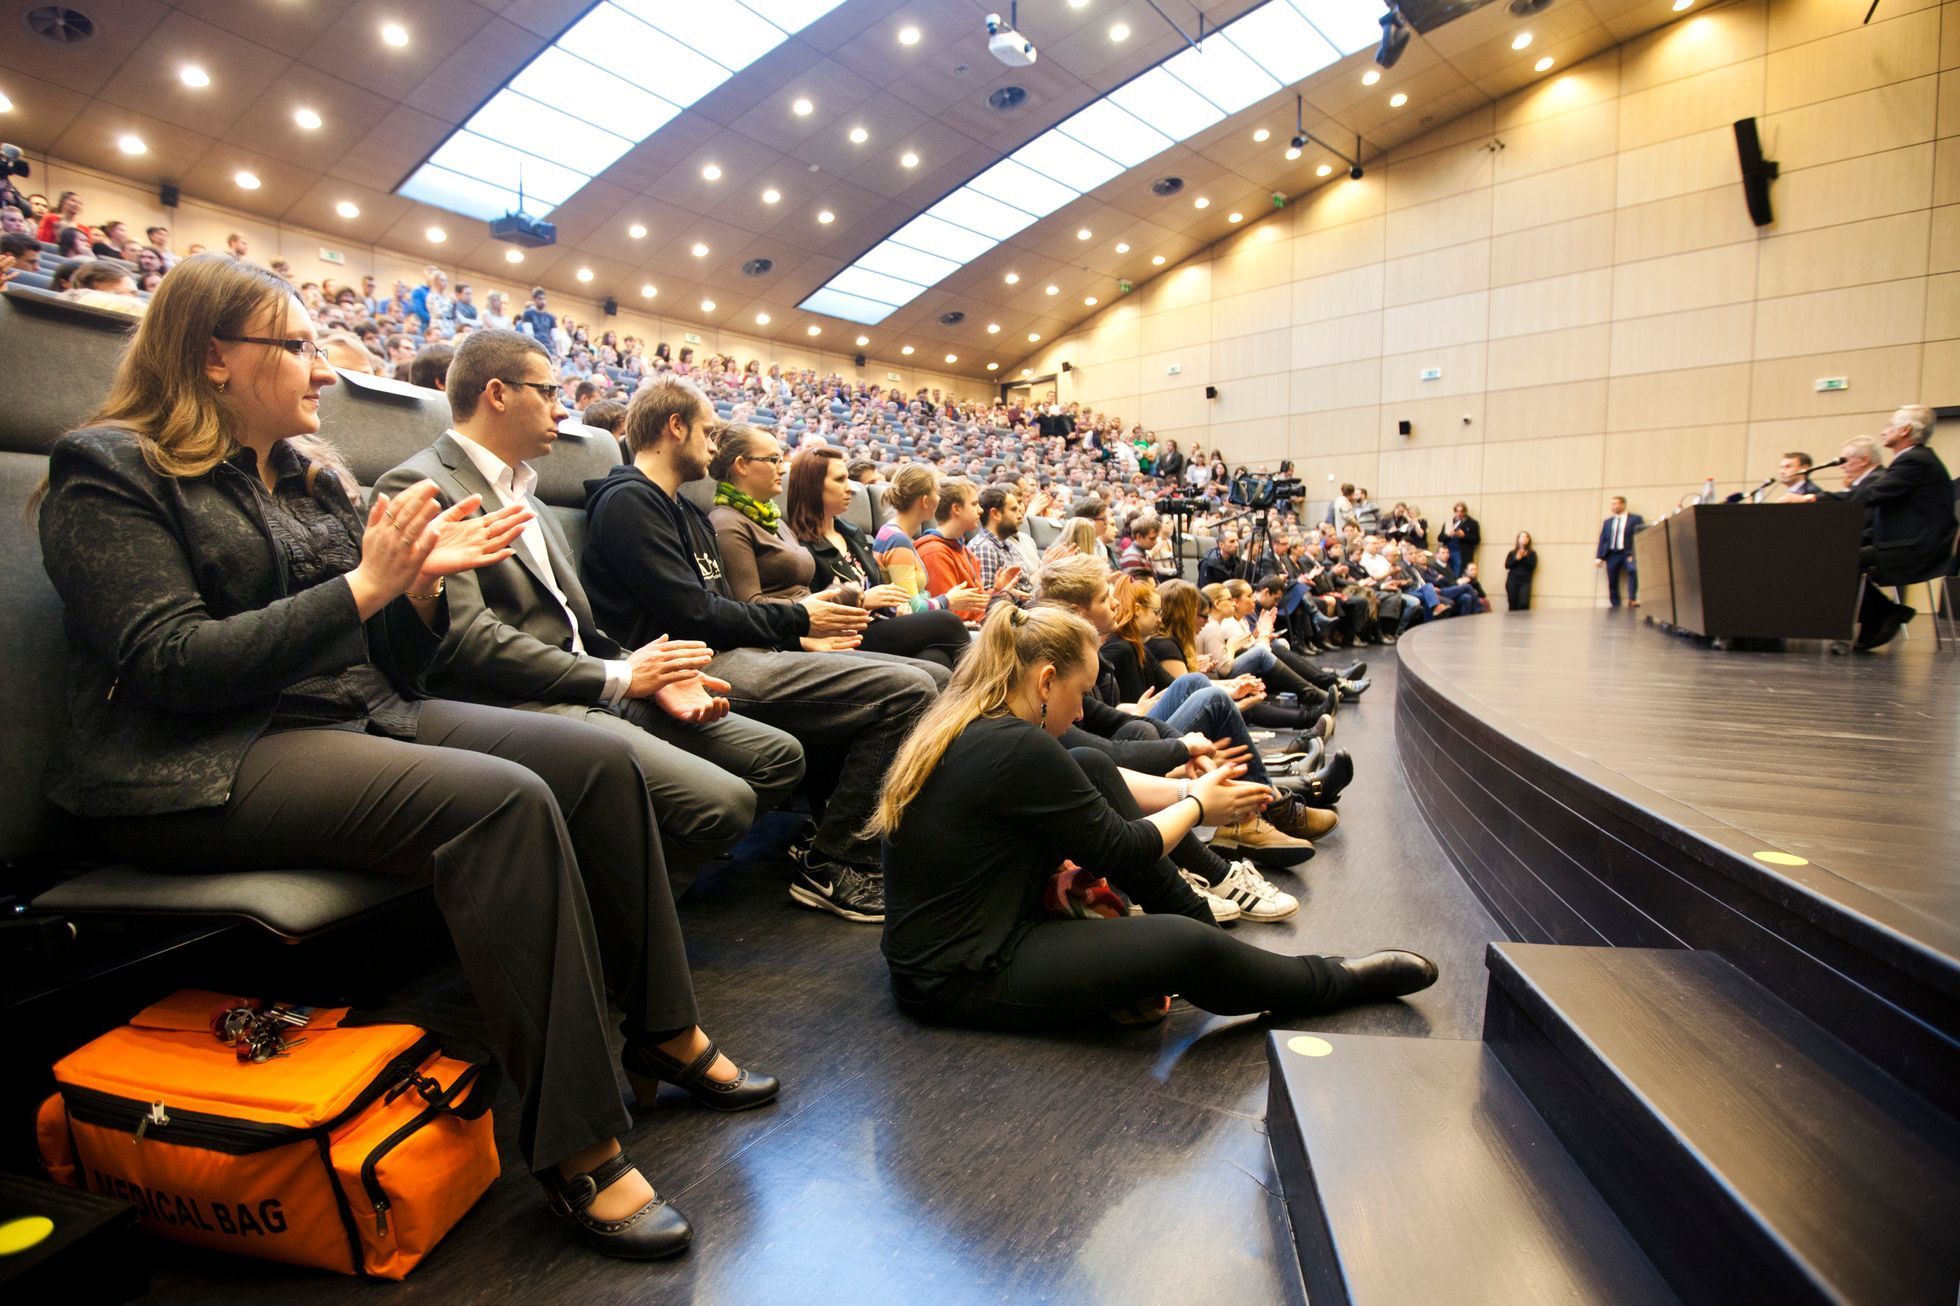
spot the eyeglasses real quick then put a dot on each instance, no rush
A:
(311, 350)
(550, 392)
(765, 458)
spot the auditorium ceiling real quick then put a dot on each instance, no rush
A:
(273, 69)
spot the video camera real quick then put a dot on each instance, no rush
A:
(11, 164)
(1261, 492)
(1176, 506)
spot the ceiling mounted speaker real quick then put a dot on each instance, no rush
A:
(1167, 186)
(954, 318)
(1529, 8)
(1006, 99)
(758, 267)
(62, 26)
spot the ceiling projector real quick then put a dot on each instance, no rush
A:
(1008, 45)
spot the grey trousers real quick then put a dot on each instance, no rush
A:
(850, 711)
(707, 783)
(546, 866)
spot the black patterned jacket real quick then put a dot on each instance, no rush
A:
(181, 631)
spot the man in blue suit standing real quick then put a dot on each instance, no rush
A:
(1615, 552)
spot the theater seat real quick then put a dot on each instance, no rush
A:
(290, 904)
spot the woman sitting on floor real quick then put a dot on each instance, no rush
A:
(966, 938)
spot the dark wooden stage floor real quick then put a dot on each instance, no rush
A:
(913, 1164)
(1850, 763)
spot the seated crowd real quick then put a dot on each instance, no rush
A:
(1051, 779)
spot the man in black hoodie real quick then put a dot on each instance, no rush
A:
(652, 568)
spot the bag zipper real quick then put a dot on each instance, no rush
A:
(437, 1104)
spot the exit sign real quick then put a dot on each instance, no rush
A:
(1833, 383)
(1432, 373)
(692, 337)
(332, 256)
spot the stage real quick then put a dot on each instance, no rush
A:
(1598, 781)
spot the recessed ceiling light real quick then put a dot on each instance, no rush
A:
(436, 235)
(909, 159)
(1292, 153)
(585, 274)
(1398, 99)
(1262, 136)
(1089, 301)
(1201, 203)
(1054, 290)
(394, 34)
(762, 319)
(638, 231)
(813, 330)
(1521, 40)
(1543, 65)
(649, 290)
(1078, 4)
(1034, 337)
(993, 367)
(711, 173)
(1027, 371)
(771, 196)
(131, 143)
(699, 250)
(952, 358)
(513, 256)
(247, 180)
(863, 341)
(307, 119)
(1679, 5)
(707, 306)
(908, 36)
(1370, 77)
(1119, 31)
(859, 135)
(1323, 170)
(347, 209)
(907, 351)
(1235, 217)
(993, 328)
(194, 77)
(1157, 262)
(803, 108)
(1012, 278)
(826, 217)
(1083, 233)
(1122, 247)
(6, 105)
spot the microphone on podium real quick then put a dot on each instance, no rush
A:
(1815, 467)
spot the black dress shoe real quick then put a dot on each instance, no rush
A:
(646, 1066)
(1383, 975)
(1323, 787)
(1886, 628)
(1353, 670)
(654, 1231)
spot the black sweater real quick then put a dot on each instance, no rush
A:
(652, 568)
(1013, 804)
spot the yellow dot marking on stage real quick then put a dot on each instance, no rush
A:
(1309, 1046)
(1781, 859)
(28, 1231)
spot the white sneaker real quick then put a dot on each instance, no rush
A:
(1254, 895)
(1222, 909)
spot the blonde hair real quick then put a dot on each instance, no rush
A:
(912, 484)
(1216, 593)
(1085, 533)
(1075, 580)
(1012, 644)
(1238, 589)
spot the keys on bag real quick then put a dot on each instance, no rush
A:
(259, 1034)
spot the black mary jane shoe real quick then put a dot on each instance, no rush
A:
(646, 1066)
(1380, 976)
(652, 1233)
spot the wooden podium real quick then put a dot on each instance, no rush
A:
(1754, 570)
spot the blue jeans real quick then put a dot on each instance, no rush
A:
(1193, 703)
(1255, 661)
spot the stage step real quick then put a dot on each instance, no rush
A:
(1415, 1170)
(1754, 1156)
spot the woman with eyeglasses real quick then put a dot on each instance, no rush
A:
(246, 644)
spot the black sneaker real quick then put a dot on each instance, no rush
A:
(802, 850)
(852, 892)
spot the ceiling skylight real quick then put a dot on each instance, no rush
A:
(626, 66)
(1274, 46)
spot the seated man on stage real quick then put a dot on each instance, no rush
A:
(1910, 537)
(1792, 480)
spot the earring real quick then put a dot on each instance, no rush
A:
(1044, 711)
(222, 385)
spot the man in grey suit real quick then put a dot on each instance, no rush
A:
(521, 631)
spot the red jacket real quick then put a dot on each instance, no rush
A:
(947, 563)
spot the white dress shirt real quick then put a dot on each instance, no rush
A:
(1619, 530)
(1376, 565)
(515, 485)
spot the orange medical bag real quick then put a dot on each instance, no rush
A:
(354, 1150)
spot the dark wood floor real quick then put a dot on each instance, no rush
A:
(1851, 763)
(906, 1163)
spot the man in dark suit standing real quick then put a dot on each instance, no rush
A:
(521, 631)
(1912, 523)
(1615, 552)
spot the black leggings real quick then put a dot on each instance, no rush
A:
(936, 636)
(1070, 972)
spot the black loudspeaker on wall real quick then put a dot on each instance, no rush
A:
(1405, 427)
(167, 195)
(612, 308)
(1211, 392)
(858, 359)
(1757, 172)
(1067, 366)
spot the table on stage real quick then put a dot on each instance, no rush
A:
(1754, 570)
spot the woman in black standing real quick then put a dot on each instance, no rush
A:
(246, 647)
(966, 937)
(1520, 565)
